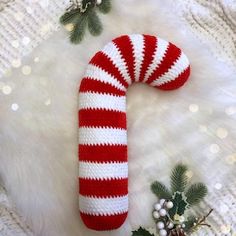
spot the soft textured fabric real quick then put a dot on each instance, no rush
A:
(103, 167)
(38, 141)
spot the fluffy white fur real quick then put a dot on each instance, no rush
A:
(38, 142)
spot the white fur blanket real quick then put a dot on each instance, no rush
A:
(195, 124)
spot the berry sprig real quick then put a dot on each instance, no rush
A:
(82, 14)
(170, 212)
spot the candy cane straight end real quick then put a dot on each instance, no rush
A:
(103, 166)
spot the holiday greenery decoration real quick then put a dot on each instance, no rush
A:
(170, 212)
(82, 14)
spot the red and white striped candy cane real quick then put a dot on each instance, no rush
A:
(103, 166)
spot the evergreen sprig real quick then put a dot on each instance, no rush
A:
(195, 193)
(160, 190)
(141, 232)
(85, 15)
(178, 178)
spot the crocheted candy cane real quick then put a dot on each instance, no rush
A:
(103, 166)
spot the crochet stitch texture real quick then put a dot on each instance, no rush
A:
(103, 166)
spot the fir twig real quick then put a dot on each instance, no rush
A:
(160, 190)
(195, 193)
(78, 32)
(179, 178)
(70, 17)
(94, 23)
(105, 6)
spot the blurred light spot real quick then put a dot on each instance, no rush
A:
(218, 186)
(231, 159)
(36, 59)
(16, 63)
(48, 102)
(14, 106)
(26, 40)
(225, 229)
(224, 208)
(6, 89)
(26, 70)
(222, 133)
(15, 43)
(214, 148)
(193, 108)
(19, 16)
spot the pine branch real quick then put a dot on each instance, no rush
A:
(141, 232)
(70, 17)
(195, 193)
(160, 190)
(179, 178)
(94, 23)
(105, 6)
(78, 32)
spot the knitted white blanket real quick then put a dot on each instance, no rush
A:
(38, 132)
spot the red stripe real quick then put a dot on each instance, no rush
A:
(103, 153)
(101, 117)
(170, 57)
(105, 63)
(150, 43)
(102, 223)
(178, 82)
(90, 85)
(103, 188)
(125, 47)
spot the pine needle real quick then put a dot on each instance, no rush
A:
(179, 178)
(70, 17)
(160, 190)
(190, 222)
(195, 193)
(78, 32)
(94, 23)
(105, 6)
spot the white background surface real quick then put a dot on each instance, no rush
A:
(38, 142)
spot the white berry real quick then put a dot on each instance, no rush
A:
(162, 201)
(99, 2)
(170, 225)
(163, 232)
(169, 205)
(156, 214)
(160, 225)
(162, 212)
(157, 206)
(181, 219)
(183, 225)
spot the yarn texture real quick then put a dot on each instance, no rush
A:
(103, 166)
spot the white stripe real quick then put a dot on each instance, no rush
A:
(179, 66)
(103, 206)
(113, 170)
(137, 41)
(96, 73)
(94, 136)
(114, 54)
(102, 101)
(161, 49)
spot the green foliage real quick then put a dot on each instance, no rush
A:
(77, 34)
(180, 204)
(105, 6)
(70, 17)
(84, 16)
(160, 190)
(94, 23)
(191, 220)
(179, 178)
(195, 193)
(141, 232)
